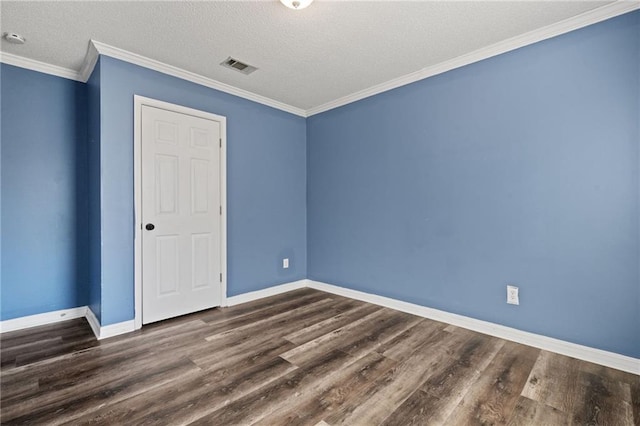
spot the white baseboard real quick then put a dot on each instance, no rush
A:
(267, 292)
(93, 322)
(42, 319)
(101, 332)
(111, 330)
(585, 353)
(117, 329)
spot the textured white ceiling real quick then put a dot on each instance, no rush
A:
(305, 58)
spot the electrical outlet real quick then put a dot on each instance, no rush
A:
(512, 295)
(285, 263)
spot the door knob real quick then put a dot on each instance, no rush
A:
(149, 226)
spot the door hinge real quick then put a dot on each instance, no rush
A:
(220, 142)
(220, 276)
(221, 210)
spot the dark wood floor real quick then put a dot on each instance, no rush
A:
(306, 358)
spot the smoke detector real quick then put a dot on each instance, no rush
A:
(14, 38)
(236, 65)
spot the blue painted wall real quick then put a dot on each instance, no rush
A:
(1, 69)
(67, 191)
(94, 248)
(266, 184)
(1, 72)
(44, 206)
(521, 169)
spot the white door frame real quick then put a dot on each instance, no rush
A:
(138, 102)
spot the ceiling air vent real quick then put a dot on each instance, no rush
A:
(235, 64)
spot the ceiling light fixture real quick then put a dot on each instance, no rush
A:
(14, 38)
(296, 4)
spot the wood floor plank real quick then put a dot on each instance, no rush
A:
(253, 352)
(53, 351)
(67, 340)
(190, 397)
(11, 354)
(449, 381)
(339, 338)
(403, 345)
(554, 381)
(261, 403)
(85, 374)
(388, 392)
(131, 345)
(60, 329)
(18, 389)
(635, 400)
(318, 329)
(529, 412)
(225, 346)
(562, 382)
(279, 318)
(224, 313)
(259, 355)
(608, 373)
(382, 333)
(235, 321)
(604, 402)
(301, 358)
(63, 410)
(494, 395)
(312, 407)
(213, 315)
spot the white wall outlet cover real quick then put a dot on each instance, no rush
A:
(285, 263)
(512, 295)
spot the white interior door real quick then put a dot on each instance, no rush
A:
(181, 208)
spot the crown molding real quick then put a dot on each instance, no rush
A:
(97, 48)
(43, 67)
(585, 19)
(89, 63)
(133, 58)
